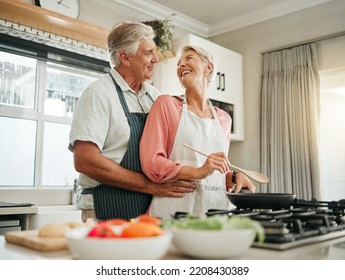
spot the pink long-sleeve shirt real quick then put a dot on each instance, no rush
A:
(159, 134)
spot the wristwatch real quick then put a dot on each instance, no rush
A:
(233, 178)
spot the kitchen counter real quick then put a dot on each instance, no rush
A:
(18, 210)
(328, 250)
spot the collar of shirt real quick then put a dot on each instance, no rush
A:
(125, 87)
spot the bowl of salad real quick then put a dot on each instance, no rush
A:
(141, 238)
(215, 237)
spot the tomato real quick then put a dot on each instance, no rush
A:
(102, 230)
(141, 229)
(141, 226)
(148, 219)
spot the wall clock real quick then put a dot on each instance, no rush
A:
(69, 8)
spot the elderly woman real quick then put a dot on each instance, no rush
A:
(190, 119)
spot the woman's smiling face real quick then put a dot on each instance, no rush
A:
(191, 68)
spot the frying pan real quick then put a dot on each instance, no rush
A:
(261, 200)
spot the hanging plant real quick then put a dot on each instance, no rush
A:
(164, 36)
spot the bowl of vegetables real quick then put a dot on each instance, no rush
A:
(141, 238)
(215, 237)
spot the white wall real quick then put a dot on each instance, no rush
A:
(307, 24)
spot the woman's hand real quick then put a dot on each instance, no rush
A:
(215, 161)
(242, 182)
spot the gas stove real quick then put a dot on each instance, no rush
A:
(305, 222)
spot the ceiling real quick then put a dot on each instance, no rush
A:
(209, 18)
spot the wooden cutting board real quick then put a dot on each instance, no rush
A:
(30, 239)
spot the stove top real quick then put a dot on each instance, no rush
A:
(303, 223)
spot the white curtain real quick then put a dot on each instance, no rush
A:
(290, 106)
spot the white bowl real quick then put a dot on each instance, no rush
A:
(143, 248)
(212, 244)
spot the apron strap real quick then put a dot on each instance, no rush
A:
(122, 97)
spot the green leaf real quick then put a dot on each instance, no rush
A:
(217, 222)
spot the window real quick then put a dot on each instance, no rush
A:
(39, 87)
(332, 134)
(17, 150)
(17, 80)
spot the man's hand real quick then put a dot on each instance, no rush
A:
(172, 189)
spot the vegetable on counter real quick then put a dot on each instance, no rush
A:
(102, 230)
(141, 226)
(217, 222)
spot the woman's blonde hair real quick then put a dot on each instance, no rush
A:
(127, 36)
(205, 55)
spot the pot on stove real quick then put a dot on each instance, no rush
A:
(245, 200)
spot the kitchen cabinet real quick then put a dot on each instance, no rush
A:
(34, 217)
(21, 215)
(226, 88)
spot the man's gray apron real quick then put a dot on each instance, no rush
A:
(114, 202)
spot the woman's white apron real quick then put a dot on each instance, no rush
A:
(206, 135)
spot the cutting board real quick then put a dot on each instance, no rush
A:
(30, 239)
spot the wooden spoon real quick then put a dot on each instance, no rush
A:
(256, 176)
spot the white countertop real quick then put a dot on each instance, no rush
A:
(18, 210)
(328, 250)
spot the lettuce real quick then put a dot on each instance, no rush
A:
(217, 222)
(237, 222)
